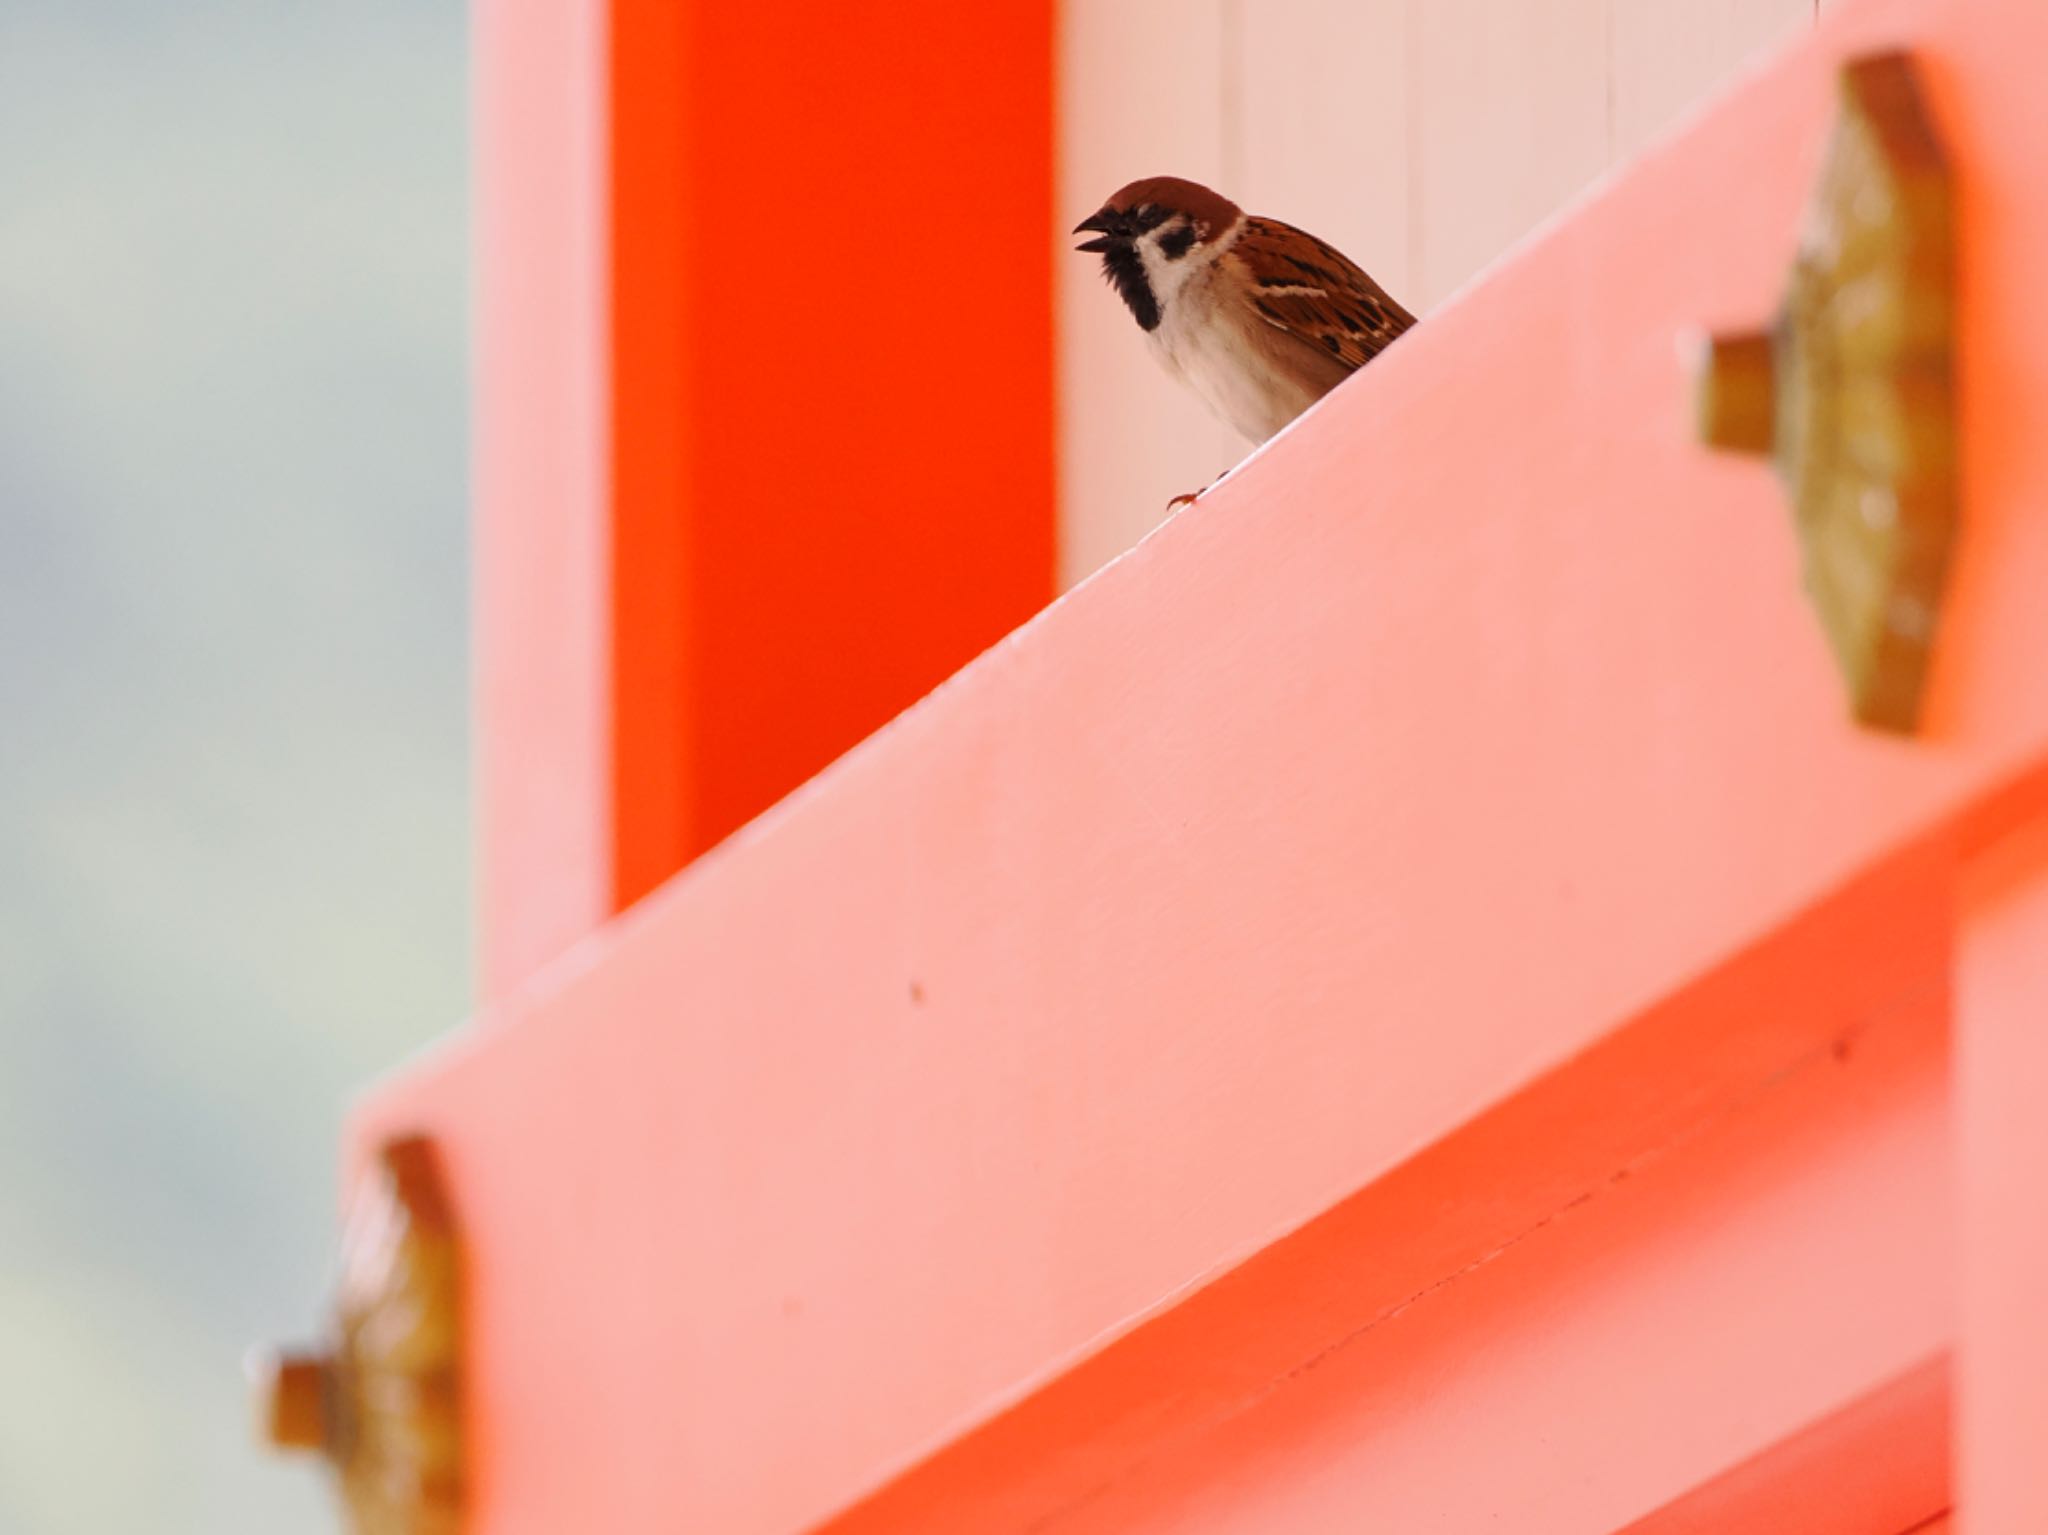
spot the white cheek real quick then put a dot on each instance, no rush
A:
(1166, 275)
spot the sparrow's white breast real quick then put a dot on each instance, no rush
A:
(1210, 335)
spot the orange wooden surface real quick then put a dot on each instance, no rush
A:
(831, 384)
(1423, 779)
(2002, 1096)
(764, 451)
(658, 620)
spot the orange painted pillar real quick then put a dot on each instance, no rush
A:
(765, 444)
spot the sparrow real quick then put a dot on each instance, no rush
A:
(1259, 318)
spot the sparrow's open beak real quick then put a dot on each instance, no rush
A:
(1104, 223)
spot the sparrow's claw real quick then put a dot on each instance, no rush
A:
(1195, 495)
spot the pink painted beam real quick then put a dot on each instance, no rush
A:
(1717, 1231)
(539, 462)
(1880, 1466)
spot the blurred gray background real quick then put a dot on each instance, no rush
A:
(234, 825)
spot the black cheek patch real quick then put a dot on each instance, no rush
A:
(1177, 244)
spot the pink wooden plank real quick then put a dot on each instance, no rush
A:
(2002, 1086)
(541, 632)
(1721, 1224)
(1878, 1467)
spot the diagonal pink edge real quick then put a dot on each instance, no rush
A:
(1400, 784)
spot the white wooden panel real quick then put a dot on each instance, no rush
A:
(1324, 126)
(1423, 137)
(1512, 122)
(1668, 58)
(1770, 21)
(1141, 89)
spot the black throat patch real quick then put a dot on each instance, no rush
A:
(1125, 269)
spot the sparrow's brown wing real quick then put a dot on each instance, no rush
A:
(1314, 292)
